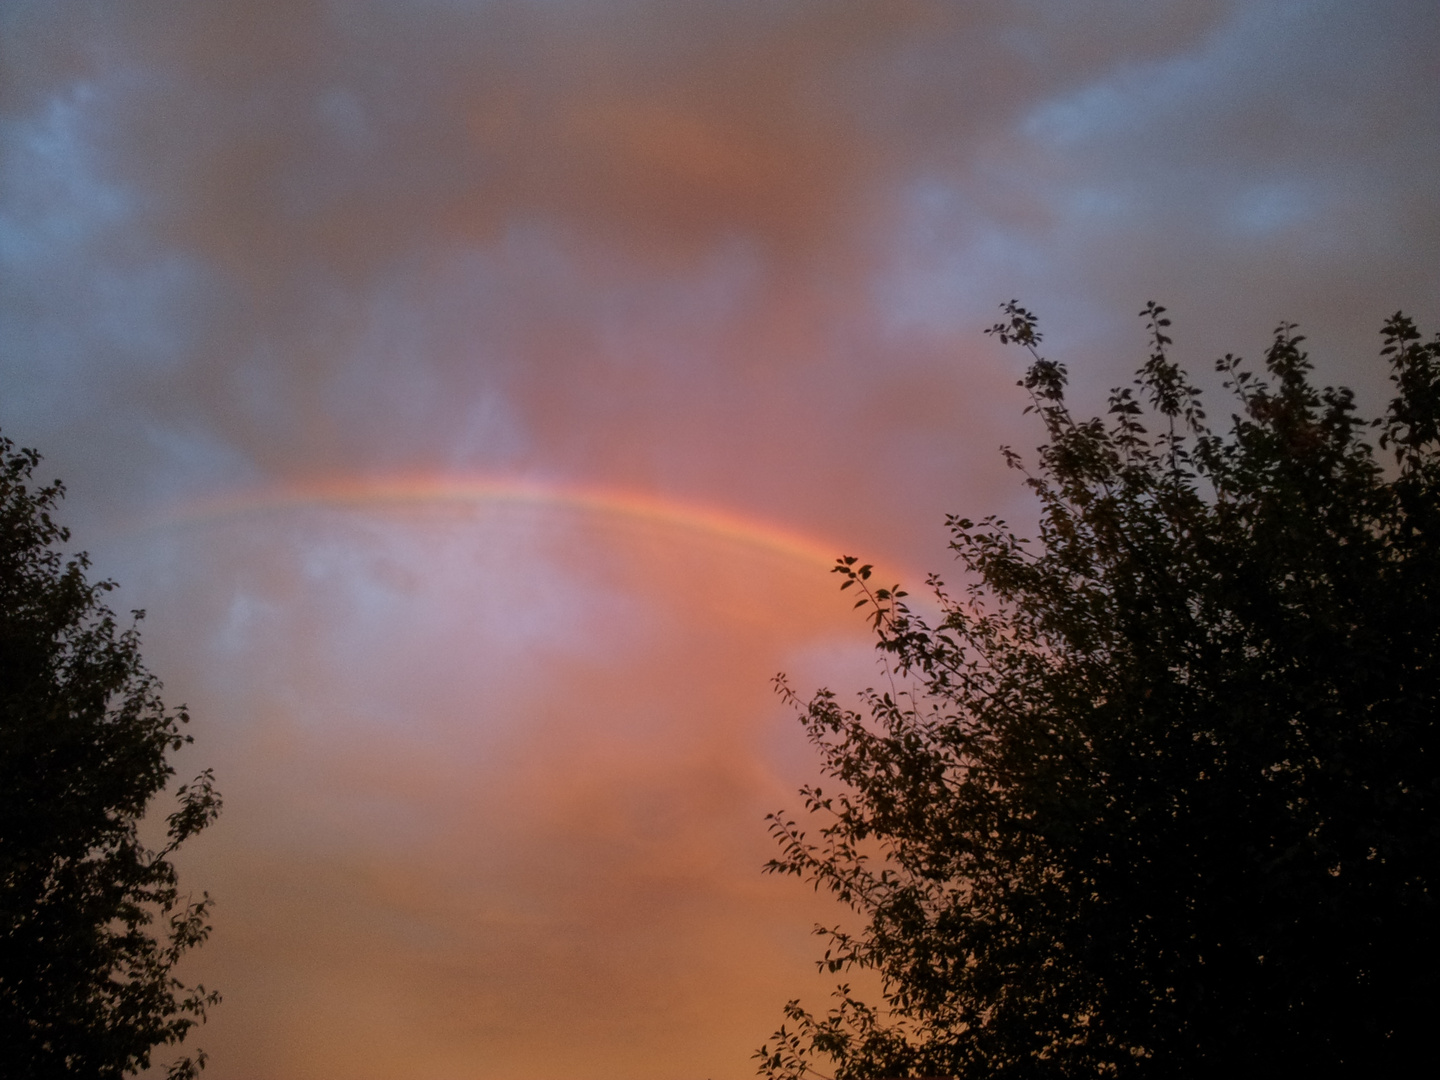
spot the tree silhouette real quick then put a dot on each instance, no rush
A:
(1157, 794)
(92, 922)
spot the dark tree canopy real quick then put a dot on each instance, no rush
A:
(92, 922)
(1157, 795)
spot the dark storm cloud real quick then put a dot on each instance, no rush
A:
(670, 243)
(305, 236)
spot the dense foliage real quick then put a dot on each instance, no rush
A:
(92, 922)
(1157, 795)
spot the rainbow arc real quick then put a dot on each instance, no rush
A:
(399, 490)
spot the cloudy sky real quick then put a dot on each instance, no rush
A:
(474, 393)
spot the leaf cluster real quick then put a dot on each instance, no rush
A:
(92, 922)
(1157, 793)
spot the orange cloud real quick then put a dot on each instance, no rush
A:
(421, 878)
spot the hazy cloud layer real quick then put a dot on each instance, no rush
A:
(496, 783)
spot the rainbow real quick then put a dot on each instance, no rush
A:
(350, 491)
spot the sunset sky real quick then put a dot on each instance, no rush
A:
(475, 394)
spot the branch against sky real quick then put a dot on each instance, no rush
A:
(92, 922)
(1158, 794)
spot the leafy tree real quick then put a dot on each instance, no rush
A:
(92, 922)
(1157, 794)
